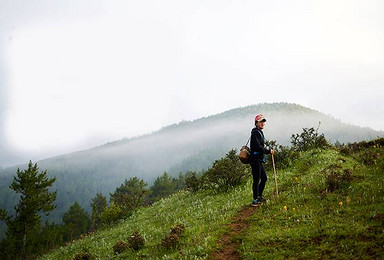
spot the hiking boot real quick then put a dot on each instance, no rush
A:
(261, 199)
(255, 203)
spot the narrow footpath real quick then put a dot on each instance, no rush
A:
(230, 242)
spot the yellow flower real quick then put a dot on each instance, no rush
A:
(341, 203)
(296, 179)
(285, 208)
(305, 188)
(293, 209)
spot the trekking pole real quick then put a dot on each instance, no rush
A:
(274, 172)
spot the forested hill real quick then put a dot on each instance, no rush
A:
(186, 146)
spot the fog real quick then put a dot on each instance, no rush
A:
(187, 146)
(77, 74)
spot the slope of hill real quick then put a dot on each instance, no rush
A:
(331, 205)
(187, 146)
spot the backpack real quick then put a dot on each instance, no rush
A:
(245, 152)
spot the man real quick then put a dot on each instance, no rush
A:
(257, 158)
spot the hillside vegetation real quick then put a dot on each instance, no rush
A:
(331, 205)
(182, 147)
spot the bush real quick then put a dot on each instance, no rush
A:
(225, 173)
(120, 247)
(170, 241)
(84, 255)
(178, 229)
(193, 182)
(284, 155)
(111, 214)
(336, 178)
(136, 241)
(309, 139)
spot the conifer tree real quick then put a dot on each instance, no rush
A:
(35, 198)
(76, 220)
(99, 204)
(130, 195)
(163, 186)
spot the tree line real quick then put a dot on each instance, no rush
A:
(27, 238)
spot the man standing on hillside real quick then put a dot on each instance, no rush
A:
(257, 158)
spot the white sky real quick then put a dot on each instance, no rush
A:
(75, 74)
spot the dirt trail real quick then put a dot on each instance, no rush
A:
(228, 244)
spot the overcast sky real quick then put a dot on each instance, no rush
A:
(75, 74)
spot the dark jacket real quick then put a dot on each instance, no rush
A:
(258, 149)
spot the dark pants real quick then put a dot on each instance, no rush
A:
(259, 178)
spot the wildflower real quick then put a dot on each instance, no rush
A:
(296, 179)
(293, 209)
(341, 203)
(285, 208)
(305, 188)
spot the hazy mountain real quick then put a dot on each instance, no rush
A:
(180, 147)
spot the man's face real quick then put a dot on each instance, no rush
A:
(260, 124)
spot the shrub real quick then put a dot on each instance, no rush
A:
(136, 241)
(120, 247)
(111, 214)
(170, 241)
(193, 182)
(84, 255)
(225, 173)
(284, 155)
(178, 229)
(309, 139)
(336, 178)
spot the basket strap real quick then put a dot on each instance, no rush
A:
(248, 141)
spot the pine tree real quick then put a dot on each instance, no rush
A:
(35, 199)
(163, 186)
(129, 195)
(76, 221)
(99, 204)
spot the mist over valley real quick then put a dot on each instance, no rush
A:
(186, 146)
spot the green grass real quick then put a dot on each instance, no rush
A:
(204, 215)
(330, 206)
(309, 221)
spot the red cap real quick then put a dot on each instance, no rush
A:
(260, 117)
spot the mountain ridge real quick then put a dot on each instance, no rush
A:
(181, 147)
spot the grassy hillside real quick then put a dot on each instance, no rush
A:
(331, 205)
(187, 146)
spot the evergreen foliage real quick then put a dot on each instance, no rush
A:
(99, 204)
(163, 186)
(129, 195)
(76, 221)
(192, 181)
(35, 198)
